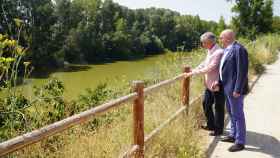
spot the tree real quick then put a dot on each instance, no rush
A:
(41, 20)
(10, 10)
(188, 30)
(37, 19)
(122, 38)
(97, 30)
(221, 25)
(276, 24)
(253, 17)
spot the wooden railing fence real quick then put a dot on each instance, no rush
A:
(139, 140)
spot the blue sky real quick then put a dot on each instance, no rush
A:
(206, 9)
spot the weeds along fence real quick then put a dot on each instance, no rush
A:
(137, 97)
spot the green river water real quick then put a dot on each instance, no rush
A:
(77, 78)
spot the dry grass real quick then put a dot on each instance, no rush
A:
(179, 139)
(264, 50)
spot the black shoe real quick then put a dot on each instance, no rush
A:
(215, 133)
(236, 147)
(228, 139)
(207, 128)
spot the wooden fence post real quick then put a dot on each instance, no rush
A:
(186, 88)
(138, 118)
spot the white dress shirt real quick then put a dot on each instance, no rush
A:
(226, 51)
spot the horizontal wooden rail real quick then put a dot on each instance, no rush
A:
(52, 129)
(37, 135)
(131, 152)
(158, 129)
(162, 84)
(170, 119)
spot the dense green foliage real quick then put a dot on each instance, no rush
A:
(55, 31)
(253, 17)
(94, 30)
(12, 106)
(276, 24)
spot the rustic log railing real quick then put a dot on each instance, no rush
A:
(137, 97)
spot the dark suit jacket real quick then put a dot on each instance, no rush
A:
(235, 70)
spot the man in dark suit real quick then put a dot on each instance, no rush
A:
(234, 78)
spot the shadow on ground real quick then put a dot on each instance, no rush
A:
(256, 142)
(263, 143)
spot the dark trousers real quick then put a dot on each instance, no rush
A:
(214, 120)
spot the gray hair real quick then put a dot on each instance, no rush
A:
(208, 36)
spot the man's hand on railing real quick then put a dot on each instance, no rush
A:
(189, 74)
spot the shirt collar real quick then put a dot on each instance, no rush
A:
(229, 46)
(212, 49)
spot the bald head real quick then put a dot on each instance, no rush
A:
(227, 37)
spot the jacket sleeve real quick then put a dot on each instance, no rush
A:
(241, 69)
(200, 66)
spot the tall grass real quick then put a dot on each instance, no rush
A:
(180, 139)
(264, 50)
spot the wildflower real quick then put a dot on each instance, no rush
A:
(26, 63)
(9, 60)
(18, 22)
(13, 43)
(5, 43)
(19, 50)
(2, 59)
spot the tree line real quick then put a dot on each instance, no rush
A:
(92, 30)
(85, 31)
